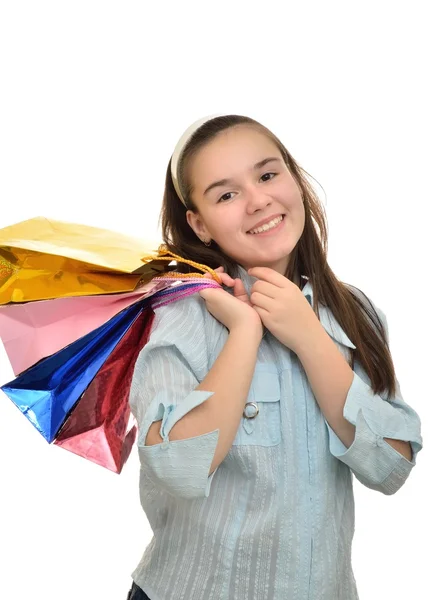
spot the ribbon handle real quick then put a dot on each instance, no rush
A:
(164, 254)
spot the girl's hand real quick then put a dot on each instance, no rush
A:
(238, 287)
(233, 311)
(282, 307)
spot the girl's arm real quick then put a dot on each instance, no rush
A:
(188, 412)
(229, 380)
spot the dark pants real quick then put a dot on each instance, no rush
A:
(136, 593)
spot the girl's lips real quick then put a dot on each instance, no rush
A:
(270, 231)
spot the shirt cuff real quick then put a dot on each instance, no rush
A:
(181, 467)
(370, 457)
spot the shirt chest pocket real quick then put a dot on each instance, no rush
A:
(261, 420)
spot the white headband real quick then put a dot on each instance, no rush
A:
(180, 146)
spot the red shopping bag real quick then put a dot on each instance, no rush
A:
(101, 428)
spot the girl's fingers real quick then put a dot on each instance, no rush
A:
(218, 270)
(225, 278)
(240, 292)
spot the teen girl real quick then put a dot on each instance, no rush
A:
(257, 402)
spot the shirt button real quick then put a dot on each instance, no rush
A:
(379, 440)
(164, 445)
(251, 410)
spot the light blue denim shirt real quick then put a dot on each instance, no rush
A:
(275, 520)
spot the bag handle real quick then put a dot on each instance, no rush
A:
(165, 254)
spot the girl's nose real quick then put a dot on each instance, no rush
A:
(257, 200)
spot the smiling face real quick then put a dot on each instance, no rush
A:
(252, 195)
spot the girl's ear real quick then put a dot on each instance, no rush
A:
(196, 223)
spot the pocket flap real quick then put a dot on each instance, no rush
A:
(265, 385)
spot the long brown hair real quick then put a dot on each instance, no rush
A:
(309, 257)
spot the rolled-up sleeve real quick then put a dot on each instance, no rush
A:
(167, 371)
(374, 462)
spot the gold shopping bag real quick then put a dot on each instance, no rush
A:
(42, 259)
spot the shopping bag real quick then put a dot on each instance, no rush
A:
(42, 258)
(78, 397)
(101, 428)
(48, 391)
(32, 331)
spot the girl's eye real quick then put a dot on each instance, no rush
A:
(269, 174)
(227, 193)
(221, 197)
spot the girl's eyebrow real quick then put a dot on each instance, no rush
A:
(258, 165)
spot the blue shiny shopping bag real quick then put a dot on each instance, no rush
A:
(47, 392)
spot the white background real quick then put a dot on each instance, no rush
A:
(94, 96)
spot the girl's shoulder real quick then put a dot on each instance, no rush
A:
(187, 314)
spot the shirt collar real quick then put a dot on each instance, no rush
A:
(327, 319)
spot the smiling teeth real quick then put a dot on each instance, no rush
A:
(267, 226)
